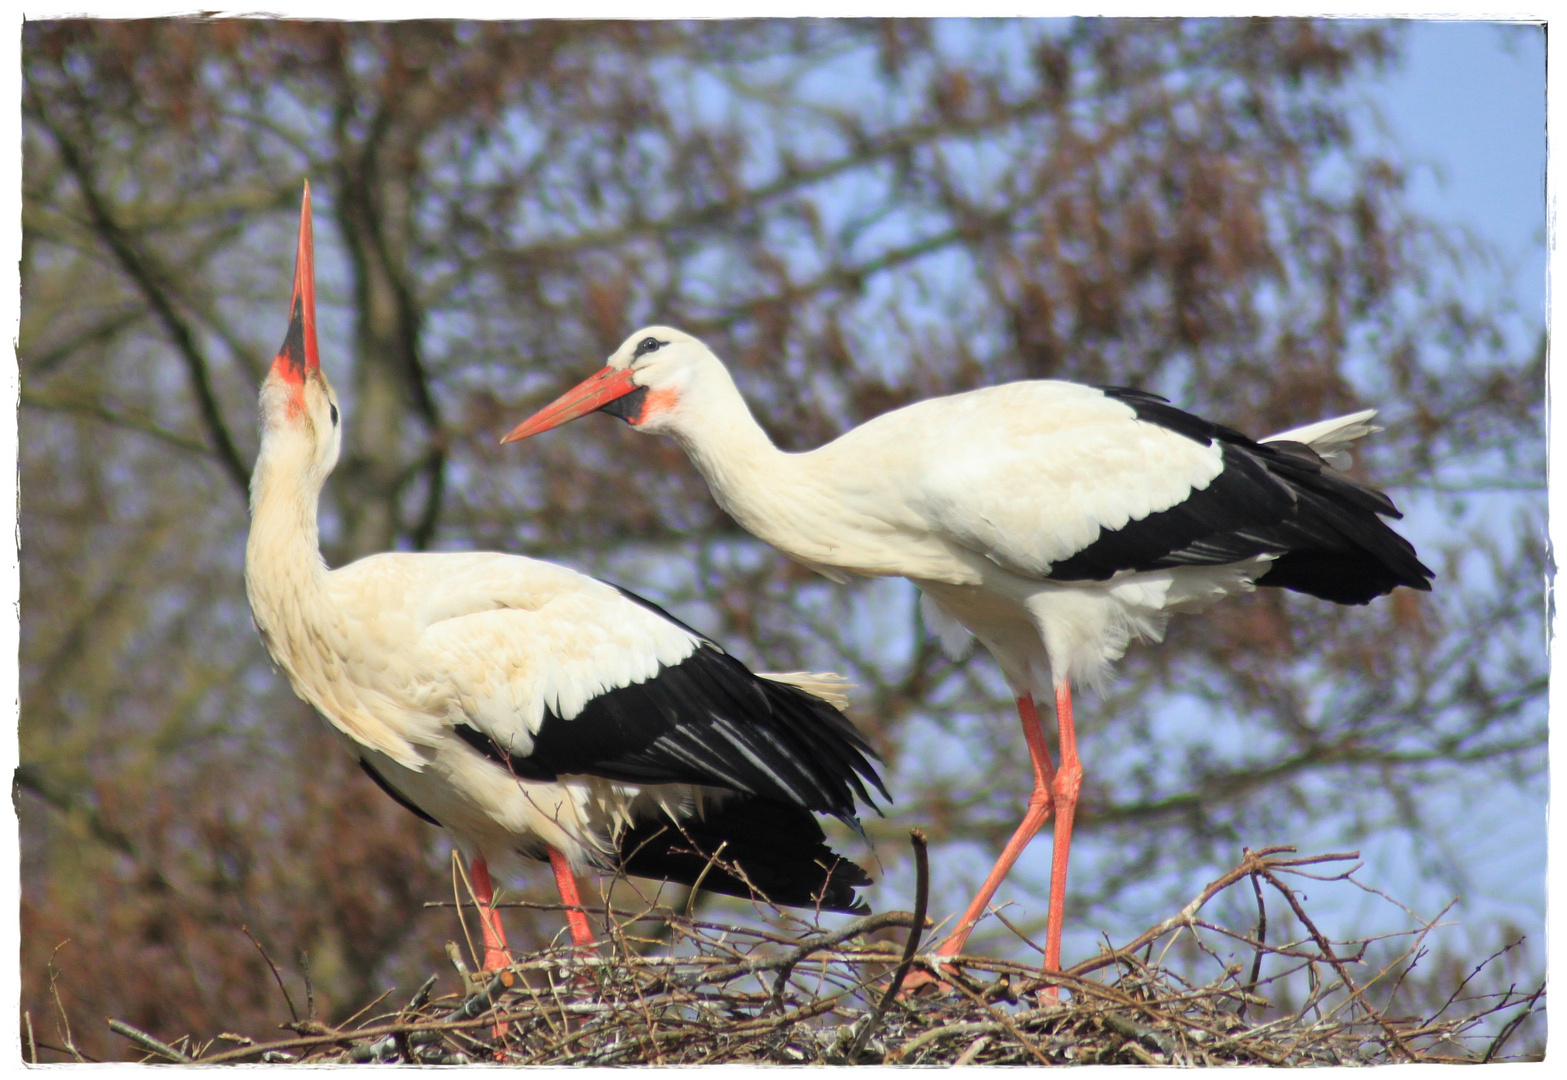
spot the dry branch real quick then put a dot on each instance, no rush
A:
(733, 993)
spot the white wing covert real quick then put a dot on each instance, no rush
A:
(507, 667)
(553, 673)
(1029, 474)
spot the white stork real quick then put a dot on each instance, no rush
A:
(1055, 522)
(531, 711)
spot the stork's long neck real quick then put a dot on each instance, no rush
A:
(284, 572)
(776, 496)
(727, 445)
(308, 629)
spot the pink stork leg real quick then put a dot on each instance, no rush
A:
(1068, 782)
(566, 882)
(496, 955)
(1039, 806)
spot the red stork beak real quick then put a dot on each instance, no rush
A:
(299, 353)
(592, 393)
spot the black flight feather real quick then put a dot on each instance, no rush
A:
(1324, 529)
(397, 796)
(756, 847)
(707, 720)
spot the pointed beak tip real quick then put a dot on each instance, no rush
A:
(536, 424)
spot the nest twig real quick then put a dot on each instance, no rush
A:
(705, 993)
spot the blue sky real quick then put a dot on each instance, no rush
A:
(1468, 103)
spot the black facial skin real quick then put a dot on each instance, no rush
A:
(628, 408)
(647, 345)
(293, 350)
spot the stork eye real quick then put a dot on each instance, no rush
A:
(334, 413)
(647, 345)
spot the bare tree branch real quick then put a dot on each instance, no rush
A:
(141, 268)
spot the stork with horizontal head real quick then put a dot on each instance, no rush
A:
(1054, 522)
(531, 711)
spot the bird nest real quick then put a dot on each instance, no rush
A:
(668, 989)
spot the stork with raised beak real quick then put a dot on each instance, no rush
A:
(533, 712)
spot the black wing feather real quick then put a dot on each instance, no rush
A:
(706, 720)
(397, 796)
(761, 847)
(1325, 529)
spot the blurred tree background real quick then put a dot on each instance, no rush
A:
(855, 215)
